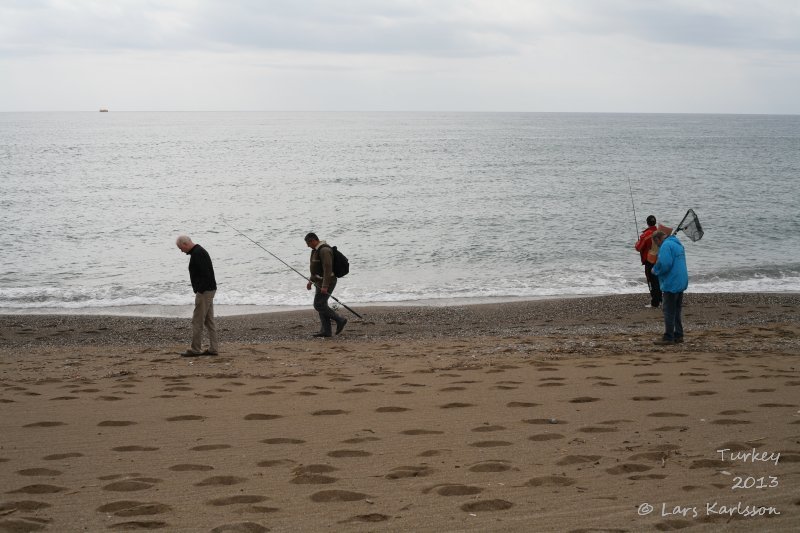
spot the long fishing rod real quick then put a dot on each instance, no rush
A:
(290, 266)
(633, 204)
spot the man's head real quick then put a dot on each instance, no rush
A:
(658, 237)
(651, 220)
(184, 243)
(312, 240)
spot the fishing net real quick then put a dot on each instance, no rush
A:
(691, 226)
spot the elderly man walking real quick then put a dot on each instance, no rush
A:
(204, 285)
(673, 277)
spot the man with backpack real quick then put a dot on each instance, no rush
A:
(323, 278)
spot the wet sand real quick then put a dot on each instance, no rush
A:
(556, 415)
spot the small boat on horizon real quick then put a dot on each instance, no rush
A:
(103, 110)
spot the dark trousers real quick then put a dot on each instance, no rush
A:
(673, 305)
(326, 314)
(652, 282)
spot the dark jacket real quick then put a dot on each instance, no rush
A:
(201, 271)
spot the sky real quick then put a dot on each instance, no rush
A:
(653, 56)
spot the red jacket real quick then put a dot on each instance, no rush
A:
(645, 242)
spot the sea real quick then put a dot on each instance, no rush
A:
(430, 208)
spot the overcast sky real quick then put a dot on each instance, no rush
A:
(692, 56)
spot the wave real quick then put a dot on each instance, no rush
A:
(551, 285)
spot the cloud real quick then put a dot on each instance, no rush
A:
(437, 28)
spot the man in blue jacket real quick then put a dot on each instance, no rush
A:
(673, 277)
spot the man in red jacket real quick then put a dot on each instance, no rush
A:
(643, 246)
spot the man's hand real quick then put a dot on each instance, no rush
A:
(308, 286)
(324, 290)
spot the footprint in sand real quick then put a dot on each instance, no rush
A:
(628, 468)
(544, 437)
(370, 518)
(671, 428)
(578, 459)
(260, 393)
(314, 469)
(488, 429)
(432, 453)
(486, 505)
(134, 449)
(456, 405)
(44, 425)
(116, 423)
(330, 412)
(188, 467)
(584, 399)
(550, 481)
(36, 472)
(283, 440)
(274, 462)
(184, 418)
(702, 393)
(326, 496)
(60, 456)
(543, 421)
(402, 472)
(592, 429)
(220, 481)
(313, 479)
(359, 440)
(490, 444)
(662, 414)
(138, 524)
(452, 389)
(647, 398)
(522, 404)
(348, 453)
(261, 416)
(421, 432)
(126, 508)
(23, 505)
(392, 409)
(131, 485)
(38, 489)
(453, 490)
(490, 466)
(730, 422)
(240, 527)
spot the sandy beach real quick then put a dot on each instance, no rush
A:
(556, 415)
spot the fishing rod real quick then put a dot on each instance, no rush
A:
(290, 266)
(635, 219)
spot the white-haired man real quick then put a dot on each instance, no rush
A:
(204, 285)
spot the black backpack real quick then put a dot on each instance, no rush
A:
(341, 266)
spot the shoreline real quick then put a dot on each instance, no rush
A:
(619, 314)
(227, 310)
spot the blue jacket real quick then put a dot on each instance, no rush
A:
(671, 266)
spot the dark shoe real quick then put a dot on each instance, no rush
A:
(663, 342)
(678, 340)
(340, 325)
(321, 335)
(191, 353)
(209, 352)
